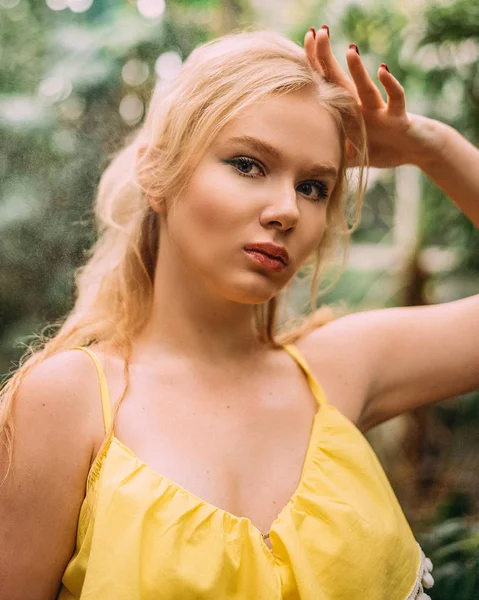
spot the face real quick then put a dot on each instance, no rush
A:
(242, 193)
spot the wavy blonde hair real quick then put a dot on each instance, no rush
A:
(115, 286)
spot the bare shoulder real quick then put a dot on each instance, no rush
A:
(54, 414)
(61, 397)
(399, 358)
(337, 355)
(62, 392)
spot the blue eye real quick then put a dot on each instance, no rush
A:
(243, 162)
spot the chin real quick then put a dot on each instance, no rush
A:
(257, 290)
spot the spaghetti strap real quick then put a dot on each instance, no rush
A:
(105, 396)
(316, 388)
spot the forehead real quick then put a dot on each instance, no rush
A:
(294, 124)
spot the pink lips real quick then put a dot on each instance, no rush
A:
(269, 249)
(266, 262)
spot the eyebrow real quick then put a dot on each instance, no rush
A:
(262, 146)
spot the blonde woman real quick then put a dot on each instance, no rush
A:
(173, 440)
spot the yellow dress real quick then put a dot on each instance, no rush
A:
(341, 536)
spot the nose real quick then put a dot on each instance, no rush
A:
(282, 209)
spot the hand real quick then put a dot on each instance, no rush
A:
(394, 136)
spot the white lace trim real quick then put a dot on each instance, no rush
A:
(423, 580)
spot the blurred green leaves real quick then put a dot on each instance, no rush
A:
(453, 547)
(453, 21)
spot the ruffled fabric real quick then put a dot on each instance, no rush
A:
(342, 536)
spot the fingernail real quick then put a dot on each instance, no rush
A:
(384, 66)
(313, 32)
(327, 29)
(354, 47)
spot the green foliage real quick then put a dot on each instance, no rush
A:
(454, 21)
(451, 34)
(61, 86)
(453, 547)
(198, 3)
(375, 29)
(446, 88)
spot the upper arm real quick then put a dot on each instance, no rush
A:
(41, 498)
(335, 354)
(417, 355)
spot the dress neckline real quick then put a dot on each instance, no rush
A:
(321, 402)
(236, 518)
(175, 485)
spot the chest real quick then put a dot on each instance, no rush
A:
(238, 442)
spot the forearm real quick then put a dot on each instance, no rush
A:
(452, 163)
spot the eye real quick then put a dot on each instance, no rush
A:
(323, 190)
(243, 163)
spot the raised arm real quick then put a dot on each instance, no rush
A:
(410, 356)
(451, 162)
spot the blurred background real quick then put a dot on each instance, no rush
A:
(75, 80)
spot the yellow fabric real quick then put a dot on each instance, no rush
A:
(342, 535)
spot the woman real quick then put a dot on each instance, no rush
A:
(221, 458)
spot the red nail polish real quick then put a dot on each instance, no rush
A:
(385, 67)
(327, 29)
(354, 47)
(313, 32)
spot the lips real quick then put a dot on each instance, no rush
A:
(270, 249)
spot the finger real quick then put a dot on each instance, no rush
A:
(368, 93)
(309, 48)
(332, 69)
(394, 90)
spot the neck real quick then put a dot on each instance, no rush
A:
(189, 321)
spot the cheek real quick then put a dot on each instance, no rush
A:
(313, 227)
(209, 218)
(209, 212)
(212, 202)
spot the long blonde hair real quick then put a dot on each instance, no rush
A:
(115, 286)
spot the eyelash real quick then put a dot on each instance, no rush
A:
(321, 186)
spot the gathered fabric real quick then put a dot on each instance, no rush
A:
(341, 536)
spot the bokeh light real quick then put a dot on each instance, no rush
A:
(72, 108)
(9, 3)
(131, 108)
(135, 72)
(151, 9)
(54, 88)
(168, 64)
(56, 4)
(19, 109)
(79, 6)
(17, 11)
